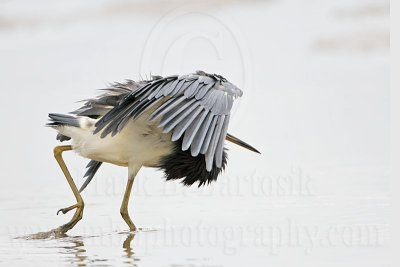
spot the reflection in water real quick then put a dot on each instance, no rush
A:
(76, 252)
(129, 251)
(73, 251)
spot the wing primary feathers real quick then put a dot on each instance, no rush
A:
(220, 104)
(134, 113)
(192, 89)
(166, 107)
(191, 131)
(109, 127)
(203, 90)
(145, 107)
(163, 89)
(179, 109)
(185, 86)
(210, 98)
(201, 134)
(220, 146)
(184, 124)
(111, 115)
(157, 90)
(178, 87)
(171, 87)
(110, 121)
(208, 136)
(213, 143)
(140, 91)
(147, 90)
(173, 120)
(93, 111)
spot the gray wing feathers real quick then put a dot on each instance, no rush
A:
(105, 102)
(185, 86)
(220, 146)
(190, 133)
(196, 106)
(175, 109)
(167, 107)
(162, 90)
(220, 104)
(178, 87)
(203, 90)
(158, 89)
(171, 88)
(184, 124)
(213, 143)
(209, 99)
(192, 89)
(178, 116)
(136, 112)
(208, 136)
(201, 134)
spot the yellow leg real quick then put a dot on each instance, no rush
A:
(124, 205)
(79, 205)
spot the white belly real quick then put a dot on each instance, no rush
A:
(139, 142)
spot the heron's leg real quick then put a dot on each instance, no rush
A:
(125, 201)
(124, 205)
(79, 205)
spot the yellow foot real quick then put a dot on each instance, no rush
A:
(75, 219)
(65, 210)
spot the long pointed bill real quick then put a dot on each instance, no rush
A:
(239, 142)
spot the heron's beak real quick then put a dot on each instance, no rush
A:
(239, 142)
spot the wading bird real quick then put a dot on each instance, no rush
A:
(176, 123)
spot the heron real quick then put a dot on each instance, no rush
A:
(176, 123)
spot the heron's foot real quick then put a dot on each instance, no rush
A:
(75, 219)
(65, 210)
(128, 221)
(132, 228)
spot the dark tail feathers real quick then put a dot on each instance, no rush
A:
(62, 120)
(92, 168)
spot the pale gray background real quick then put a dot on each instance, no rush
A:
(315, 76)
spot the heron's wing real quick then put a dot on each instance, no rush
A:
(195, 106)
(111, 96)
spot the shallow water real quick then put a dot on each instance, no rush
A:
(207, 230)
(315, 76)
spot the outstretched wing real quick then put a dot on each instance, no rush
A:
(111, 97)
(195, 106)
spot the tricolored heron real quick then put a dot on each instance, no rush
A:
(176, 123)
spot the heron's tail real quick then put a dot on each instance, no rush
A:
(62, 120)
(58, 121)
